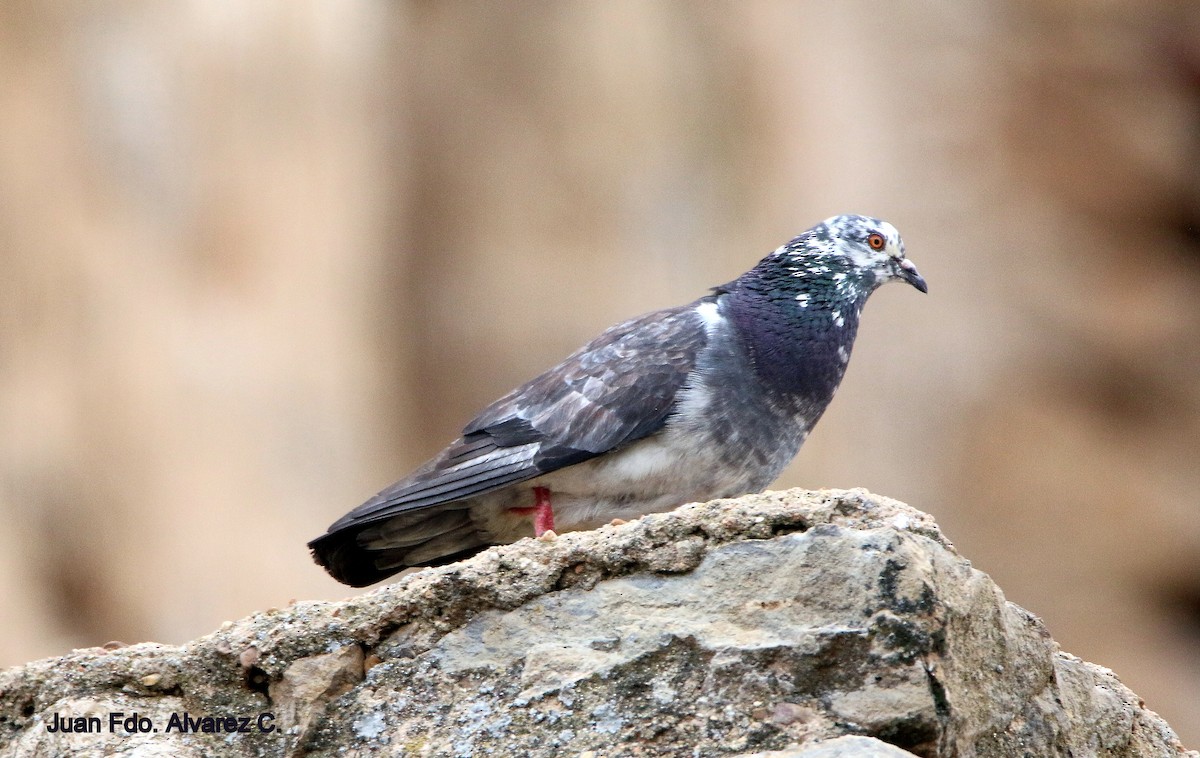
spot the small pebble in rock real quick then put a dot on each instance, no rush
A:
(790, 713)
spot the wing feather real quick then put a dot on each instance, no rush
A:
(618, 388)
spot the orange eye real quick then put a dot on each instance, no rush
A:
(876, 241)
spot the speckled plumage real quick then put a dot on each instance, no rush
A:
(710, 399)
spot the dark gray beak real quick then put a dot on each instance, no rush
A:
(909, 273)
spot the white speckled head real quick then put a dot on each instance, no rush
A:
(870, 244)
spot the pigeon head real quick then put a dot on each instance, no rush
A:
(854, 254)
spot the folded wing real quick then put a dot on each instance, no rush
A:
(620, 387)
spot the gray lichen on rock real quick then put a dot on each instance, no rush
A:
(773, 622)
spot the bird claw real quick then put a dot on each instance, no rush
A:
(547, 536)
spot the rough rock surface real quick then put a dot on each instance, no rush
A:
(767, 625)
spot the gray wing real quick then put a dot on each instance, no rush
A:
(620, 387)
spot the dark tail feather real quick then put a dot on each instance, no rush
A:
(342, 553)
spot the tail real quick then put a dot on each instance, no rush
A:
(339, 554)
(363, 553)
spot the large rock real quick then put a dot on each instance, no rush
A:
(775, 622)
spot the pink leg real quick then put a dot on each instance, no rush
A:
(543, 512)
(543, 520)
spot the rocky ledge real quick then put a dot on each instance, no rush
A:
(817, 624)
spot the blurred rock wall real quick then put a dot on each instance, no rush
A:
(260, 260)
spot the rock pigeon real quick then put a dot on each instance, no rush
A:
(706, 400)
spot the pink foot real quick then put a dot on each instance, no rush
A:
(543, 512)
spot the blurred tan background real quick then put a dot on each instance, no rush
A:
(261, 259)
